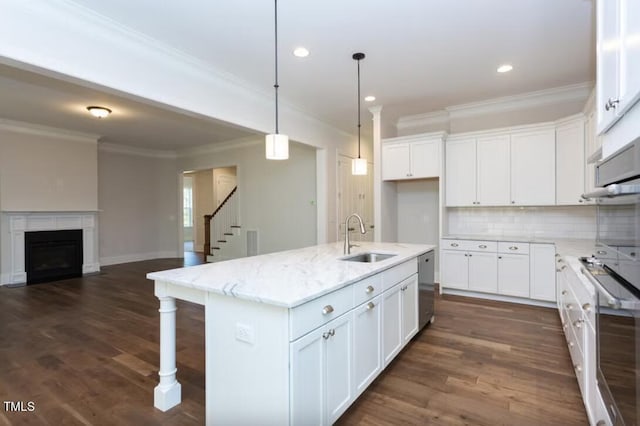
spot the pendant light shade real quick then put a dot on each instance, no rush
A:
(358, 165)
(276, 145)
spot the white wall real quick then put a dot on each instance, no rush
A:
(139, 207)
(277, 198)
(553, 222)
(46, 170)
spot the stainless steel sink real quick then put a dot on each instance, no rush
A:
(368, 257)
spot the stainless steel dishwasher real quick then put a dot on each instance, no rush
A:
(426, 288)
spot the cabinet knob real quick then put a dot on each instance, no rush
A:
(569, 307)
(564, 292)
(454, 244)
(513, 202)
(499, 257)
(581, 200)
(482, 246)
(611, 104)
(327, 310)
(578, 368)
(370, 306)
(578, 323)
(513, 248)
(601, 252)
(586, 307)
(369, 289)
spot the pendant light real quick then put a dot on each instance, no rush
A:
(358, 165)
(276, 145)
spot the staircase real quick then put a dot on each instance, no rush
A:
(221, 227)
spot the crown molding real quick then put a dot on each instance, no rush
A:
(556, 95)
(53, 132)
(135, 151)
(221, 146)
(418, 137)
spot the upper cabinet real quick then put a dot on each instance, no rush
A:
(412, 157)
(505, 167)
(572, 171)
(618, 60)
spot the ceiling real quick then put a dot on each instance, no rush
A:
(421, 56)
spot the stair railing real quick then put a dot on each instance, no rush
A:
(219, 224)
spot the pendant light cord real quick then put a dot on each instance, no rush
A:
(358, 108)
(276, 86)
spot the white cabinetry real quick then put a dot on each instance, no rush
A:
(519, 269)
(618, 59)
(412, 157)
(399, 317)
(367, 343)
(576, 305)
(570, 160)
(513, 269)
(514, 166)
(533, 167)
(322, 376)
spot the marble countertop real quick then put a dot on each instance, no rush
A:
(289, 278)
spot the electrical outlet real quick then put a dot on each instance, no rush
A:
(244, 333)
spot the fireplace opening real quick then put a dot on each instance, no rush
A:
(53, 255)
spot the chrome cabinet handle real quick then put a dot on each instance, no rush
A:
(328, 334)
(513, 248)
(513, 202)
(586, 307)
(601, 252)
(578, 368)
(578, 323)
(369, 289)
(562, 267)
(482, 246)
(611, 104)
(454, 244)
(569, 307)
(327, 310)
(564, 292)
(370, 306)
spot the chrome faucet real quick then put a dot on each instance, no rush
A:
(347, 245)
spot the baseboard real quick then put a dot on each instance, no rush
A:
(499, 297)
(138, 257)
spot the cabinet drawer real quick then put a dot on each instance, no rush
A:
(367, 289)
(313, 314)
(513, 248)
(469, 245)
(584, 298)
(577, 359)
(393, 276)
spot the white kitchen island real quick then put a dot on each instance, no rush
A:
(291, 337)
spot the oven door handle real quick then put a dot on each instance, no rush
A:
(611, 191)
(612, 301)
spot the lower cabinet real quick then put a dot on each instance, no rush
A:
(331, 365)
(367, 343)
(321, 373)
(399, 317)
(524, 270)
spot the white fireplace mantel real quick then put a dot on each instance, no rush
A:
(15, 224)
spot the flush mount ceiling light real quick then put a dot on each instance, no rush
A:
(358, 165)
(369, 98)
(98, 111)
(504, 68)
(276, 145)
(301, 52)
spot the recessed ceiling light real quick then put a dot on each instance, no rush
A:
(301, 52)
(98, 111)
(505, 68)
(369, 98)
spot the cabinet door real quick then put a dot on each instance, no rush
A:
(608, 51)
(483, 272)
(570, 162)
(533, 168)
(307, 379)
(367, 343)
(460, 172)
(629, 86)
(338, 385)
(542, 272)
(493, 185)
(513, 275)
(396, 161)
(409, 289)
(391, 324)
(425, 159)
(592, 143)
(454, 270)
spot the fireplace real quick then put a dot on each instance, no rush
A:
(53, 255)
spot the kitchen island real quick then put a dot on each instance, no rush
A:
(291, 337)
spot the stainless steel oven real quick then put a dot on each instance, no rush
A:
(614, 270)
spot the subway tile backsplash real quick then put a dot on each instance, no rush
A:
(555, 221)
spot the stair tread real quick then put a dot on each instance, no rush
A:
(228, 233)
(222, 241)
(215, 248)
(236, 226)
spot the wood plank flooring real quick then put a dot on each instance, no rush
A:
(85, 352)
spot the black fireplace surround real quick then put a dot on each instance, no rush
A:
(53, 255)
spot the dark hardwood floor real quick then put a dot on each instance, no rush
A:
(85, 351)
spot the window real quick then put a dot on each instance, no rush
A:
(187, 202)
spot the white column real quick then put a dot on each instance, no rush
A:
(377, 172)
(168, 392)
